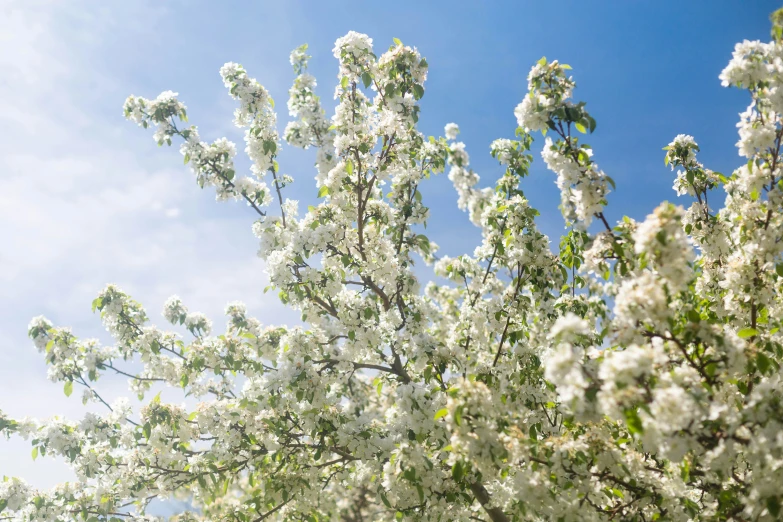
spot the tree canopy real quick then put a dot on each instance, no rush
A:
(634, 373)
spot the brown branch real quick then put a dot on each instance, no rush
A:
(508, 317)
(482, 495)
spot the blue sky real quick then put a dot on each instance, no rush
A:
(87, 198)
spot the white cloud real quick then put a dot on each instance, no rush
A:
(86, 199)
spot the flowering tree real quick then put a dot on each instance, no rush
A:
(634, 375)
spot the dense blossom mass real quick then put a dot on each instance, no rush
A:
(633, 375)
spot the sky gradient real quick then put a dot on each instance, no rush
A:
(86, 198)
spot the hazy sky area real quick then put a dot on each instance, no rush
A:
(87, 198)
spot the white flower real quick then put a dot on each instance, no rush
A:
(672, 408)
(532, 113)
(748, 65)
(15, 493)
(661, 238)
(568, 326)
(640, 299)
(174, 311)
(451, 130)
(563, 368)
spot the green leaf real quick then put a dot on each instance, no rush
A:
(779, 269)
(270, 147)
(323, 191)
(385, 500)
(747, 332)
(581, 128)
(542, 61)
(68, 388)
(457, 471)
(420, 490)
(458, 415)
(349, 167)
(35, 452)
(418, 91)
(366, 79)
(441, 413)
(344, 82)
(773, 505)
(397, 41)
(633, 421)
(424, 243)
(693, 316)
(685, 470)
(762, 362)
